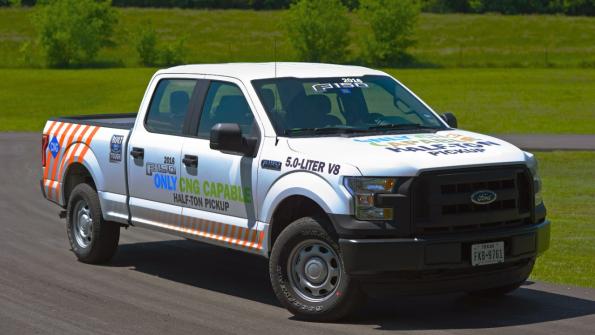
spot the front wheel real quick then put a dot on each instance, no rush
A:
(308, 275)
(92, 239)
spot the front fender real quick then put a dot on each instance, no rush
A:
(331, 198)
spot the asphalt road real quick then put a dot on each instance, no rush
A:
(158, 284)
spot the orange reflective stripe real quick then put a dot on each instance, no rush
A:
(253, 236)
(248, 238)
(50, 124)
(87, 144)
(210, 227)
(55, 189)
(217, 230)
(78, 144)
(65, 158)
(186, 223)
(180, 223)
(49, 157)
(260, 239)
(59, 156)
(47, 152)
(243, 236)
(231, 235)
(67, 146)
(225, 232)
(214, 230)
(194, 226)
(202, 228)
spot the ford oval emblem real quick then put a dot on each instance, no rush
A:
(483, 197)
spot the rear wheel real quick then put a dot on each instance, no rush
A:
(307, 273)
(92, 239)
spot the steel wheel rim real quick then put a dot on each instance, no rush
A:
(83, 224)
(314, 270)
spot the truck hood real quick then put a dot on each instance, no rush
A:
(410, 154)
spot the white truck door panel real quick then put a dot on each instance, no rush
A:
(153, 175)
(216, 188)
(154, 178)
(220, 183)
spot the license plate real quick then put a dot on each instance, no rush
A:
(487, 253)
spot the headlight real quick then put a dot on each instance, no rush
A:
(363, 190)
(534, 168)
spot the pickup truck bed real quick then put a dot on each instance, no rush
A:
(120, 121)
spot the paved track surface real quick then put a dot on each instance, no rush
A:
(158, 284)
(544, 142)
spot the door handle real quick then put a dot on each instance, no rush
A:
(190, 161)
(137, 153)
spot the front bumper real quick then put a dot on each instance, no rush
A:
(442, 263)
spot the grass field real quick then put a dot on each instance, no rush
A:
(510, 100)
(569, 192)
(484, 100)
(29, 97)
(445, 40)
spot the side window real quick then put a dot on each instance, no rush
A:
(169, 106)
(225, 103)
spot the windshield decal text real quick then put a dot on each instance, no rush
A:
(433, 144)
(347, 83)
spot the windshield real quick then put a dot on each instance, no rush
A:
(306, 107)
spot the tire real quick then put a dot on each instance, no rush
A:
(92, 239)
(499, 291)
(306, 244)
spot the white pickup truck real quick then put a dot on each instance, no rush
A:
(343, 178)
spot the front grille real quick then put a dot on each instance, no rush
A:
(442, 200)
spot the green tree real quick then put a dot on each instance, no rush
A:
(71, 32)
(146, 44)
(392, 23)
(318, 30)
(174, 52)
(152, 52)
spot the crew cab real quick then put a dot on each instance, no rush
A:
(341, 176)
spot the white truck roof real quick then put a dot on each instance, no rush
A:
(251, 71)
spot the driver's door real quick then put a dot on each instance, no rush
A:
(216, 188)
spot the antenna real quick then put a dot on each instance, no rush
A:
(275, 56)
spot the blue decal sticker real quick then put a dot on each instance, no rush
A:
(270, 164)
(115, 154)
(54, 147)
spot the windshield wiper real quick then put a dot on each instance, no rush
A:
(323, 130)
(402, 126)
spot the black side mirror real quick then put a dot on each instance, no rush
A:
(451, 119)
(227, 137)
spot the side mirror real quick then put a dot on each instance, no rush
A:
(451, 119)
(227, 137)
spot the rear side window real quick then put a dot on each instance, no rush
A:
(169, 106)
(225, 103)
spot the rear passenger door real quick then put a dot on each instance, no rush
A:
(155, 148)
(216, 188)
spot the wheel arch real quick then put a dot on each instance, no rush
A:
(84, 167)
(285, 202)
